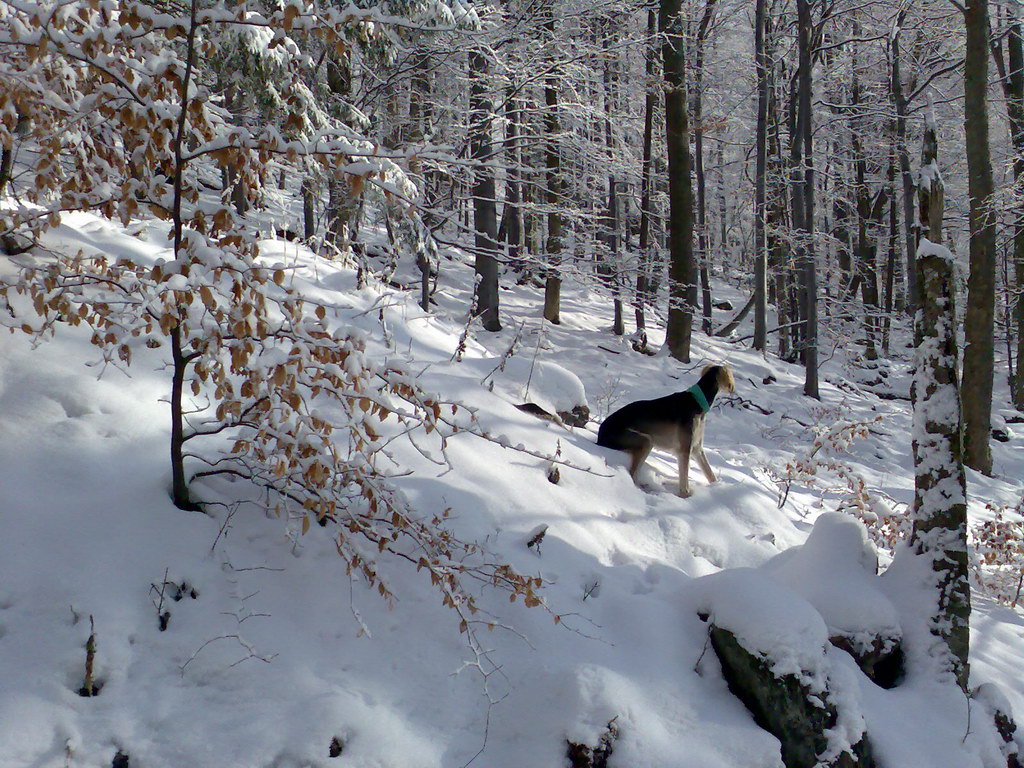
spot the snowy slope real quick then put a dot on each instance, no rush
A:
(280, 652)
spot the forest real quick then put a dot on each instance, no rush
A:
(316, 309)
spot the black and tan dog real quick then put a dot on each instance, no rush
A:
(674, 423)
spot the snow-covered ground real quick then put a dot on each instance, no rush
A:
(278, 652)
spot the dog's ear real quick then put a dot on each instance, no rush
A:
(725, 379)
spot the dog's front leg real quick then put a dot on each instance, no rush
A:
(703, 461)
(698, 450)
(683, 454)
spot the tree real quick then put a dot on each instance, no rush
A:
(903, 152)
(760, 191)
(979, 317)
(703, 239)
(484, 193)
(1011, 75)
(646, 173)
(803, 199)
(940, 489)
(555, 184)
(682, 265)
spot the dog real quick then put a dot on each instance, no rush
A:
(674, 423)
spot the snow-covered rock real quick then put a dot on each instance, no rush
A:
(835, 572)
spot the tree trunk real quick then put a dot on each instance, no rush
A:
(553, 281)
(180, 359)
(940, 486)
(760, 190)
(703, 251)
(930, 193)
(613, 269)
(1015, 104)
(940, 497)
(342, 204)
(865, 260)
(682, 266)
(804, 201)
(892, 257)
(979, 318)
(308, 210)
(484, 192)
(6, 164)
(646, 181)
(778, 247)
(1013, 89)
(513, 213)
(900, 103)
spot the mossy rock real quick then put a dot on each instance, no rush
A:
(882, 661)
(577, 417)
(784, 707)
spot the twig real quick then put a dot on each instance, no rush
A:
(90, 658)
(250, 651)
(224, 526)
(707, 642)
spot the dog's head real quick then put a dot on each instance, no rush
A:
(723, 377)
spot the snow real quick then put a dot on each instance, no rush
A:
(835, 572)
(767, 619)
(926, 247)
(526, 379)
(281, 651)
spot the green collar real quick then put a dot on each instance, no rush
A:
(698, 395)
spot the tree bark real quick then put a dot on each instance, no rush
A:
(513, 213)
(892, 254)
(760, 190)
(703, 250)
(553, 280)
(682, 265)
(866, 250)
(979, 318)
(308, 210)
(646, 180)
(6, 164)
(804, 201)
(907, 176)
(484, 192)
(1013, 89)
(1015, 104)
(613, 269)
(940, 497)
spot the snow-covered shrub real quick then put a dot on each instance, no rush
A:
(823, 467)
(998, 553)
(264, 385)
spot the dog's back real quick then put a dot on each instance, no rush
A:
(658, 420)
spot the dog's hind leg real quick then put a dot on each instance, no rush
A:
(638, 456)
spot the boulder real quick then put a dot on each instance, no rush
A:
(997, 707)
(835, 571)
(786, 707)
(773, 648)
(584, 756)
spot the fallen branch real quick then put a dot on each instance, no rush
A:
(731, 326)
